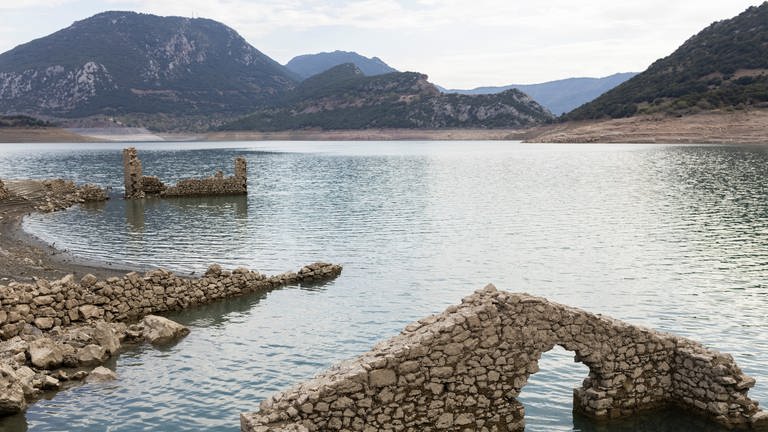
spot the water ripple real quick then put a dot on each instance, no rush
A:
(672, 237)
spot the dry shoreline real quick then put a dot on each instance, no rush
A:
(715, 127)
(26, 257)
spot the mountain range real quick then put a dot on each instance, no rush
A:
(343, 97)
(125, 62)
(307, 65)
(559, 96)
(724, 66)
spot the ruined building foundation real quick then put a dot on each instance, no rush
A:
(138, 185)
(463, 370)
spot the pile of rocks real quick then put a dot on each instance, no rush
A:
(48, 304)
(4, 194)
(60, 194)
(34, 361)
(463, 370)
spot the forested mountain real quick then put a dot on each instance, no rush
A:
(126, 62)
(724, 66)
(344, 98)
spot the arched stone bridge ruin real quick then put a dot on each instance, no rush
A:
(462, 370)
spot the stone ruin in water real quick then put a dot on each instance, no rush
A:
(138, 185)
(463, 370)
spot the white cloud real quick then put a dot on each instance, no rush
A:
(456, 42)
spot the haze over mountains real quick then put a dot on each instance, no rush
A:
(559, 96)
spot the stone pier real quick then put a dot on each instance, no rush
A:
(138, 185)
(463, 370)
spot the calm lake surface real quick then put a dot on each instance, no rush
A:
(672, 237)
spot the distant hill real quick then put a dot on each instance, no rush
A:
(23, 121)
(124, 62)
(724, 66)
(559, 96)
(344, 98)
(308, 65)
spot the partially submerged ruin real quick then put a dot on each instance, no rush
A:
(137, 185)
(463, 370)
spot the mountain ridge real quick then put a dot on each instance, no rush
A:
(344, 98)
(559, 96)
(308, 65)
(723, 66)
(120, 62)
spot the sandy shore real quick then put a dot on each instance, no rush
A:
(24, 257)
(739, 127)
(41, 135)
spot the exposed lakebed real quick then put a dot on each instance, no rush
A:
(673, 237)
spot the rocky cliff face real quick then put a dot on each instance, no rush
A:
(123, 62)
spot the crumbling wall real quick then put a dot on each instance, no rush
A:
(4, 194)
(139, 186)
(464, 369)
(132, 174)
(63, 302)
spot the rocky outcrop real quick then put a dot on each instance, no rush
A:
(463, 370)
(138, 185)
(159, 331)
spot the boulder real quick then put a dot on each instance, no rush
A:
(11, 393)
(90, 311)
(26, 377)
(104, 334)
(88, 281)
(44, 323)
(91, 355)
(101, 374)
(45, 354)
(159, 330)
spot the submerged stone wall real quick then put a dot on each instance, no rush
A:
(138, 185)
(65, 302)
(463, 370)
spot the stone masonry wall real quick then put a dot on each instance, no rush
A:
(64, 302)
(132, 174)
(4, 194)
(139, 186)
(463, 370)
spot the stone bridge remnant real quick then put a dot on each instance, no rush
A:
(463, 370)
(137, 185)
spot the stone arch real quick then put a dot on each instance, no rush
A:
(464, 369)
(554, 384)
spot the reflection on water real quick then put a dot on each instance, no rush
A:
(672, 237)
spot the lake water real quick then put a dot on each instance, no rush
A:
(672, 237)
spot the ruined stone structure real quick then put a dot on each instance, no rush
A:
(64, 302)
(462, 370)
(4, 194)
(132, 174)
(138, 185)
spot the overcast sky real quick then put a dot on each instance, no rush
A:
(458, 43)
